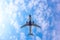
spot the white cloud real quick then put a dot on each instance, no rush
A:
(1, 13)
(53, 0)
(23, 7)
(58, 37)
(30, 5)
(14, 15)
(11, 21)
(22, 4)
(13, 37)
(16, 25)
(22, 36)
(38, 11)
(39, 30)
(1, 18)
(45, 25)
(17, 1)
(36, 2)
(39, 15)
(6, 10)
(12, 7)
(58, 8)
(10, 37)
(57, 26)
(41, 5)
(38, 38)
(20, 16)
(16, 39)
(2, 29)
(56, 1)
(54, 34)
(41, 22)
(3, 26)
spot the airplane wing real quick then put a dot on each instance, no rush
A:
(36, 25)
(24, 25)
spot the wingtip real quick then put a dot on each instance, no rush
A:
(20, 27)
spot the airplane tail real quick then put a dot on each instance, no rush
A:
(30, 34)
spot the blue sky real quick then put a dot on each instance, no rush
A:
(14, 13)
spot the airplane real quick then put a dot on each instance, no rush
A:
(30, 23)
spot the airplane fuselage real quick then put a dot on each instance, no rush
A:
(30, 24)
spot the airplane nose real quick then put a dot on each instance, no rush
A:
(29, 15)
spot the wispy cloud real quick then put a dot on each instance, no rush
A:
(16, 26)
(13, 37)
(8, 11)
(58, 8)
(56, 1)
(38, 38)
(22, 36)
